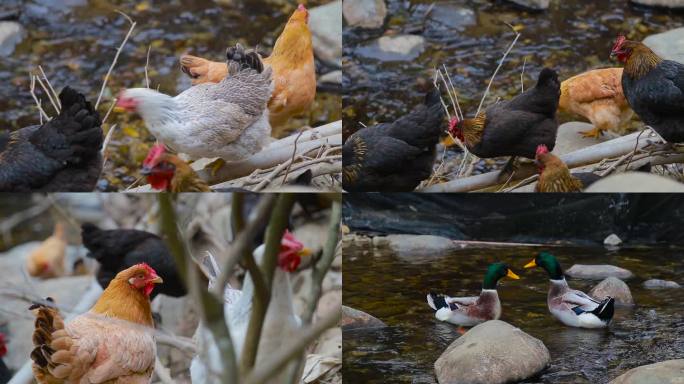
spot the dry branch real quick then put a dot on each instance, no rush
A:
(615, 148)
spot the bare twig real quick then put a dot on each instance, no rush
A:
(116, 57)
(49, 95)
(147, 63)
(59, 103)
(294, 152)
(510, 47)
(106, 141)
(111, 107)
(32, 89)
(522, 76)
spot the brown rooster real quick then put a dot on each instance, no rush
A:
(167, 172)
(653, 87)
(596, 95)
(293, 66)
(111, 343)
(47, 260)
(554, 175)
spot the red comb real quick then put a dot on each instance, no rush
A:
(147, 267)
(619, 41)
(542, 149)
(154, 155)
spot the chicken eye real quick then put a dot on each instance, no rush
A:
(140, 276)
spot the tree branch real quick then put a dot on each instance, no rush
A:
(300, 341)
(274, 234)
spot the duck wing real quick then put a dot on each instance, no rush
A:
(579, 301)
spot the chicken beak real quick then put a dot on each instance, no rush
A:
(305, 252)
(531, 264)
(512, 275)
(157, 280)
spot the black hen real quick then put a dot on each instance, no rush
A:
(61, 155)
(118, 249)
(394, 156)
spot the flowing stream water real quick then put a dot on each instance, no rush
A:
(393, 289)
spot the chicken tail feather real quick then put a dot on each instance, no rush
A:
(244, 60)
(76, 134)
(51, 354)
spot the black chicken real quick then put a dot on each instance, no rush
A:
(118, 249)
(653, 87)
(514, 127)
(61, 155)
(394, 156)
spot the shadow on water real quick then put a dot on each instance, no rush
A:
(470, 36)
(393, 289)
(75, 42)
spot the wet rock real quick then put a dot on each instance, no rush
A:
(597, 272)
(659, 284)
(394, 48)
(661, 3)
(447, 16)
(364, 13)
(668, 45)
(532, 4)
(665, 372)
(569, 138)
(355, 319)
(11, 34)
(334, 77)
(636, 182)
(615, 288)
(415, 245)
(612, 240)
(325, 22)
(491, 353)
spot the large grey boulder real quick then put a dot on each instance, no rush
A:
(364, 13)
(598, 272)
(415, 245)
(493, 352)
(325, 23)
(615, 288)
(661, 3)
(668, 45)
(665, 372)
(355, 319)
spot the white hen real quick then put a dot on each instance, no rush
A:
(228, 119)
(279, 325)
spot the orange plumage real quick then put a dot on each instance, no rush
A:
(597, 96)
(554, 175)
(112, 343)
(293, 66)
(47, 260)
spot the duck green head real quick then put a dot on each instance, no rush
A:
(549, 263)
(495, 272)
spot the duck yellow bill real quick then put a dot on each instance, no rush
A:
(512, 275)
(531, 264)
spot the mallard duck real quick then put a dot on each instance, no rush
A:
(469, 311)
(572, 307)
